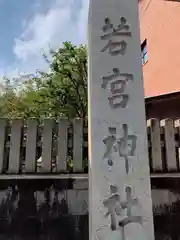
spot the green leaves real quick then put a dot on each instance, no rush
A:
(63, 91)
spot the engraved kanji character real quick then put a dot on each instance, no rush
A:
(121, 29)
(128, 204)
(118, 101)
(116, 73)
(113, 206)
(123, 26)
(124, 149)
(117, 88)
(107, 28)
(115, 47)
(120, 145)
(109, 142)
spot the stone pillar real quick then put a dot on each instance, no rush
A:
(120, 204)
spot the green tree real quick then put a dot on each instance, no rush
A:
(62, 91)
(67, 83)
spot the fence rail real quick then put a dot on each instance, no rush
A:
(62, 146)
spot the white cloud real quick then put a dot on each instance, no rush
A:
(63, 20)
(82, 23)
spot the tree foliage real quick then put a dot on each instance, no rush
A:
(60, 92)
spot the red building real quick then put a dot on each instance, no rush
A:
(160, 36)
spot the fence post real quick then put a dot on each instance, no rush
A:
(77, 145)
(31, 141)
(155, 141)
(47, 145)
(168, 125)
(177, 127)
(14, 157)
(62, 144)
(3, 124)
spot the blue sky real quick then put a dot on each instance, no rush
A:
(29, 27)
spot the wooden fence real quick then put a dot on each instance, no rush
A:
(50, 147)
(27, 147)
(164, 145)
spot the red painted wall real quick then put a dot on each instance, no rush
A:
(160, 25)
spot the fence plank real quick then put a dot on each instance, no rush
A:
(62, 145)
(177, 128)
(14, 157)
(30, 161)
(168, 125)
(3, 123)
(77, 145)
(154, 127)
(47, 145)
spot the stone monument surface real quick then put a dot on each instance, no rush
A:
(120, 204)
